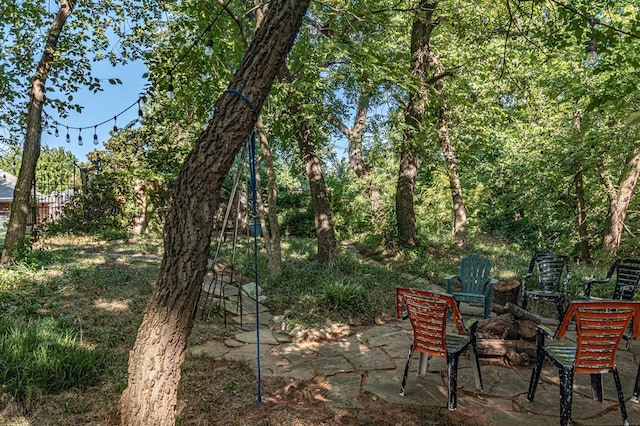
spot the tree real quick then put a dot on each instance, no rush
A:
(459, 212)
(159, 350)
(66, 72)
(619, 200)
(422, 61)
(20, 206)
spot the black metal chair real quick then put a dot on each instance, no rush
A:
(554, 273)
(600, 326)
(627, 276)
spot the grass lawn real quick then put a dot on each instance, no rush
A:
(91, 294)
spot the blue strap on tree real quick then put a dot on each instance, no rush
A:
(252, 172)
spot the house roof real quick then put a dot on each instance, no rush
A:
(7, 184)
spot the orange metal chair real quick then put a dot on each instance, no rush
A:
(600, 326)
(428, 312)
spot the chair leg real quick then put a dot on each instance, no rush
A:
(452, 380)
(566, 395)
(560, 308)
(623, 407)
(636, 387)
(406, 370)
(487, 308)
(475, 366)
(596, 387)
(535, 373)
(423, 363)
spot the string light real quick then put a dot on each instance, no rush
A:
(592, 56)
(140, 102)
(208, 50)
(115, 125)
(170, 93)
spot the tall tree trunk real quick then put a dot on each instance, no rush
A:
(578, 182)
(140, 217)
(459, 212)
(422, 58)
(583, 232)
(157, 355)
(327, 244)
(325, 234)
(360, 167)
(355, 135)
(31, 152)
(273, 235)
(619, 203)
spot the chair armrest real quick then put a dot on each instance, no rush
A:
(447, 280)
(546, 331)
(588, 284)
(523, 281)
(488, 287)
(472, 325)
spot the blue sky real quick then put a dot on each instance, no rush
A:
(99, 107)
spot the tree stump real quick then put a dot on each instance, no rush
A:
(506, 292)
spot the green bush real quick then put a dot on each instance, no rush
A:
(295, 214)
(41, 356)
(103, 208)
(344, 297)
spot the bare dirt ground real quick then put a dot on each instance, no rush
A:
(225, 394)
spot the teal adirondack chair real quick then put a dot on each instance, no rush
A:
(476, 286)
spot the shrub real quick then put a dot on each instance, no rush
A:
(344, 297)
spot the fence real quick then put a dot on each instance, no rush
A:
(52, 191)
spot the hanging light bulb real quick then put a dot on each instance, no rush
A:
(95, 135)
(68, 136)
(208, 50)
(592, 56)
(140, 108)
(80, 136)
(170, 93)
(115, 125)
(57, 133)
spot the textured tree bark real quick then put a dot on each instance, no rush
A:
(327, 244)
(273, 237)
(459, 212)
(140, 218)
(583, 231)
(414, 113)
(357, 162)
(17, 227)
(157, 355)
(619, 203)
(325, 234)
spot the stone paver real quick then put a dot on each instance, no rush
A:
(373, 360)
(330, 366)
